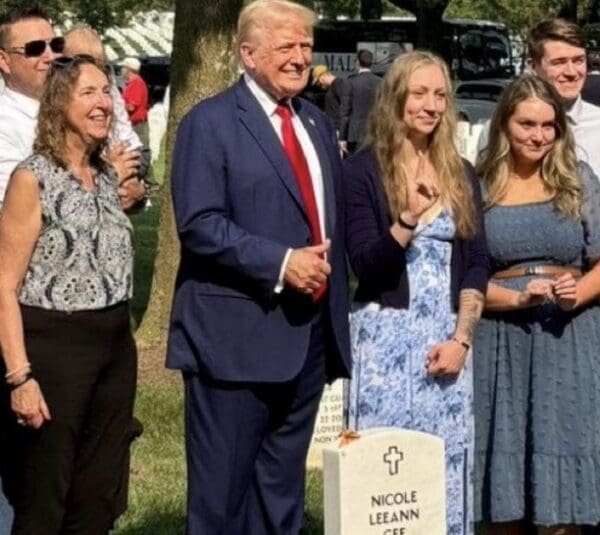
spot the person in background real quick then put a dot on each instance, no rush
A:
(135, 95)
(334, 88)
(416, 245)
(357, 101)
(83, 39)
(260, 312)
(537, 371)
(28, 45)
(591, 88)
(66, 272)
(556, 53)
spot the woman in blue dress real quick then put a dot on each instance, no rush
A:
(415, 243)
(537, 356)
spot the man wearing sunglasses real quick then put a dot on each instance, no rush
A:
(28, 46)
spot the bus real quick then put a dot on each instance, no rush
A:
(473, 49)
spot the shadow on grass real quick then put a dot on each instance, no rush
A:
(157, 522)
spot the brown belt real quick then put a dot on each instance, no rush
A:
(537, 270)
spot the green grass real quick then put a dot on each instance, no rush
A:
(158, 478)
(145, 224)
(157, 483)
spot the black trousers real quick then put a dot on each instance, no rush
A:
(67, 477)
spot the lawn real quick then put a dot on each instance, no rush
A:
(157, 486)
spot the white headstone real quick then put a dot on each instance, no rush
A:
(329, 423)
(387, 482)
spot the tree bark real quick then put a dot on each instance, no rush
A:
(569, 10)
(429, 15)
(371, 9)
(203, 63)
(430, 26)
(594, 11)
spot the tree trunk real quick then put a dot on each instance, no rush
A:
(430, 27)
(569, 10)
(371, 9)
(593, 13)
(203, 63)
(429, 15)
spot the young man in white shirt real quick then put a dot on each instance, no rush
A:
(28, 46)
(556, 50)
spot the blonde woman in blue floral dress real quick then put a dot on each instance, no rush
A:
(416, 245)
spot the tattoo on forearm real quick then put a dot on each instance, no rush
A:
(469, 311)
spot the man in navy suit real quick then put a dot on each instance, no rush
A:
(259, 321)
(358, 98)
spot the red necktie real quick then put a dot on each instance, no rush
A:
(295, 155)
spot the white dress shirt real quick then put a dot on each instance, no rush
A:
(585, 121)
(18, 121)
(269, 105)
(122, 129)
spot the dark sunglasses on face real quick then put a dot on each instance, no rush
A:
(34, 49)
(64, 62)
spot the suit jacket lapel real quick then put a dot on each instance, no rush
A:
(320, 143)
(258, 124)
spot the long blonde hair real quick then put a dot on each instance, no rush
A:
(559, 166)
(387, 135)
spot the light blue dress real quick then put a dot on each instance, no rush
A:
(537, 376)
(390, 386)
(6, 515)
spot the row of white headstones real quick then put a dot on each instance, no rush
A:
(147, 34)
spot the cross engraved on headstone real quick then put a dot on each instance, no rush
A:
(393, 458)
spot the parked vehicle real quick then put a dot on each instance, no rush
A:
(475, 99)
(472, 48)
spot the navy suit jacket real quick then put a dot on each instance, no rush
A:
(358, 98)
(238, 209)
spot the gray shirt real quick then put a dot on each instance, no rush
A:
(83, 258)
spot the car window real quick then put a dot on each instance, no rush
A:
(479, 91)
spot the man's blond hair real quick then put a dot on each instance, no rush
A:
(83, 39)
(260, 13)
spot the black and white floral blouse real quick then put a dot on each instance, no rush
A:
(83, 259)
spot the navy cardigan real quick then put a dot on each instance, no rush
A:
(378, 260)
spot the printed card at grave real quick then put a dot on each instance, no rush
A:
(387, 482)
(328, 424)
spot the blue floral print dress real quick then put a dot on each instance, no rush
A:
(390, 385)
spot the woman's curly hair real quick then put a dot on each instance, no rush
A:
(52, 118)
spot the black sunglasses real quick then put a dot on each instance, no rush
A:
(34, 49)
(65, 62)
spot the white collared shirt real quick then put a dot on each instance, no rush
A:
(18, 122)
(269, 105)
(585, 119)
